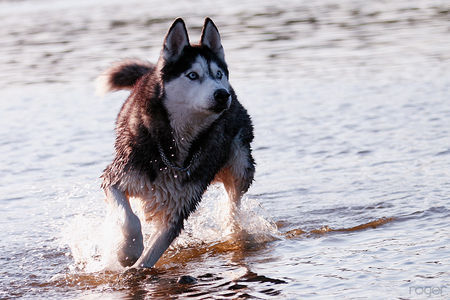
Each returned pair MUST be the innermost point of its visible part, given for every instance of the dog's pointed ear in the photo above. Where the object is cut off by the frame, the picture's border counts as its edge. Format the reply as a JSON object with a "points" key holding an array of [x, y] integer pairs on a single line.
{"points": [[211, 38], [175, 40]]}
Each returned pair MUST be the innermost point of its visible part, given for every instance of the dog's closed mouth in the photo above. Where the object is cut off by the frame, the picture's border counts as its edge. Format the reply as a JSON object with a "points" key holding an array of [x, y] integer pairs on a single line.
{"points": [[220, 107]]}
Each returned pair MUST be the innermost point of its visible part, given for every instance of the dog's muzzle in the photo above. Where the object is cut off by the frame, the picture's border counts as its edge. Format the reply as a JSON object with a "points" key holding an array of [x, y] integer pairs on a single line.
{"points": [[221, 100]]}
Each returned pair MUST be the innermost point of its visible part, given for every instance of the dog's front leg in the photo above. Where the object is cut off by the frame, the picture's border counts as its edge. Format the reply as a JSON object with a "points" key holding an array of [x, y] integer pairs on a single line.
{"points": [[159, 243], [131, 246]]}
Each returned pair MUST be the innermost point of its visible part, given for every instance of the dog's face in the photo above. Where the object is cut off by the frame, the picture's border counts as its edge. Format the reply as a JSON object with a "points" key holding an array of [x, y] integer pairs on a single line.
{"points": [[195, 77]]}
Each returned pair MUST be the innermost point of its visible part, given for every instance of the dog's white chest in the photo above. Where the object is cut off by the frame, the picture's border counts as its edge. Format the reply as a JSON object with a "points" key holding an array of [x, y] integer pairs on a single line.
{"points": [[165, 199]]}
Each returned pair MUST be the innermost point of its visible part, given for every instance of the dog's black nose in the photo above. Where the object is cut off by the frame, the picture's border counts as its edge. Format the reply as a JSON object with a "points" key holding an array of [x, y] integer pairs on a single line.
{"points": [[221, 96]]}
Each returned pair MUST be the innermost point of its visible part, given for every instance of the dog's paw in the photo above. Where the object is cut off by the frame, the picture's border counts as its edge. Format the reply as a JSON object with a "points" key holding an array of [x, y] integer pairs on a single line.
{"points": [[132, 245], [129, 252]]}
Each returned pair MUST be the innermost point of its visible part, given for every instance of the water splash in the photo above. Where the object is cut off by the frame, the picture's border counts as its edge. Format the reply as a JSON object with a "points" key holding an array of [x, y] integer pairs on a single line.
{"points": [[93, 240], [212, 222]]}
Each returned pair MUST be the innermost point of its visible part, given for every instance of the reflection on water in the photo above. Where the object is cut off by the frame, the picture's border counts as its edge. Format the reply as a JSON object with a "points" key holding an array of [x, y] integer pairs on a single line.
{"points": [[350, 105], [325, 229]]}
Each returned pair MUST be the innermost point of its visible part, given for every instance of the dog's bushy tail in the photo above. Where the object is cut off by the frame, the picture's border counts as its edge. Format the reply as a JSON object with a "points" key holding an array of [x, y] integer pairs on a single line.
{"points": [[122, 75]]}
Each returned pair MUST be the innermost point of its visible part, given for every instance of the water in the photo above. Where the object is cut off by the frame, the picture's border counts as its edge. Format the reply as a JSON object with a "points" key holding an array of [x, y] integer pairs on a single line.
{"points": [[350, 101]]}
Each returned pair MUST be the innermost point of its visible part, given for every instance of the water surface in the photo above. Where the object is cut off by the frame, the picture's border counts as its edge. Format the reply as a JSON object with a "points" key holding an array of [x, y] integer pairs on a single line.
{"points": [[350, 102]]}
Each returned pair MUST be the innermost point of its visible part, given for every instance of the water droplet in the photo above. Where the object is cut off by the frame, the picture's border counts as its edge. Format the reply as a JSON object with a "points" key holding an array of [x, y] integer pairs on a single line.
{"points": [[175, 176], [134, 240]]}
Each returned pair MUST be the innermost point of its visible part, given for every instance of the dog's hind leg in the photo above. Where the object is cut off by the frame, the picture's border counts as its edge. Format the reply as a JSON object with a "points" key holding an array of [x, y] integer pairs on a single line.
{"points": [[131, 246], [235, 186], [238, 173]]}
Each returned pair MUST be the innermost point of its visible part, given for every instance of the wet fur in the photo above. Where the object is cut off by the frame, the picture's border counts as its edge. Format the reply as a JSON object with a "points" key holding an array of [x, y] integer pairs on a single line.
{"points": [[217, 146]]}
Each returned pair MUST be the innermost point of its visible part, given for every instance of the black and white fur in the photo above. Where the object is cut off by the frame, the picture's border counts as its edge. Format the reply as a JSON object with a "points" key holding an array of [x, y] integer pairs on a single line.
{"points": [[181, 129]]}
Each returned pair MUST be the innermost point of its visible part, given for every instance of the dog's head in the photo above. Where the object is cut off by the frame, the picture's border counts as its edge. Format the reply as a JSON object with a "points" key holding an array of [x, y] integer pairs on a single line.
{"points": [[195, 77]]}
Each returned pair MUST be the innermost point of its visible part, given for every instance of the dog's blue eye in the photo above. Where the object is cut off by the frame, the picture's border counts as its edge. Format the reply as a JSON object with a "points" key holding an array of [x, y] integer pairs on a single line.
{"points": [[219, 75], [192, 76]]}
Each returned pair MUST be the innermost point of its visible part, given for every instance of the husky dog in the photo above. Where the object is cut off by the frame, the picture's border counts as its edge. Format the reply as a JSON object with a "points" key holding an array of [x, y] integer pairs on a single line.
{"points": [[181, 129]]}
